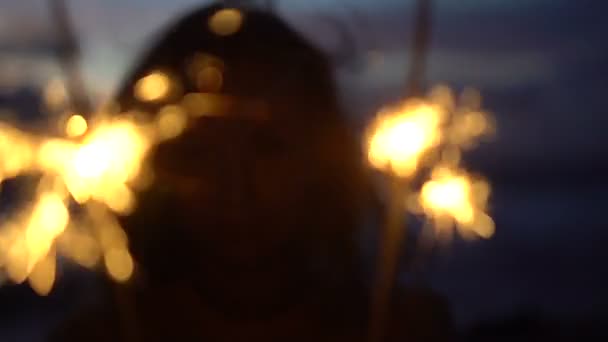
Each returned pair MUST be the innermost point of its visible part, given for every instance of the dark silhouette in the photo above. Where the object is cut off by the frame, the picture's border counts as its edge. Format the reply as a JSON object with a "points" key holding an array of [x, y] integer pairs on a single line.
{"points": [[248, 233]]}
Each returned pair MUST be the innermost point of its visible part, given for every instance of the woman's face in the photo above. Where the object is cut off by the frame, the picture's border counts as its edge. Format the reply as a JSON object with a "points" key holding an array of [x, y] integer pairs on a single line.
{"points": [[244, 189]]}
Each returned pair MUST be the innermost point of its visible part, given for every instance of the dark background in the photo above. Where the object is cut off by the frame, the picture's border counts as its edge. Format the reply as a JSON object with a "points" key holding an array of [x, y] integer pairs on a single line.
{"points": [[541, 67]]}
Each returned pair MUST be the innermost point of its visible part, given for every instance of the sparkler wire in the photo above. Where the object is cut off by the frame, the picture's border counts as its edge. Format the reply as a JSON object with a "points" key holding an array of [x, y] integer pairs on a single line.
{"points": [[392, 239], [395, 233]]}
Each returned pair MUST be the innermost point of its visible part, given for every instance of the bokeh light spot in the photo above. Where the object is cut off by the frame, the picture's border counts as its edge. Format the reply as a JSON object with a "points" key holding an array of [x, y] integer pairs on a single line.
{"points": [[76, 126], [119, 264], [226, 21], [153, 87], [172, 121]]}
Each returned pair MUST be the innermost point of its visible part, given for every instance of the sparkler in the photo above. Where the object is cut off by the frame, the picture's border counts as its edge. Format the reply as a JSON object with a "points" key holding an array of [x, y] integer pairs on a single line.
{"points": [[419, 134], [98, 166], [413, 136]]}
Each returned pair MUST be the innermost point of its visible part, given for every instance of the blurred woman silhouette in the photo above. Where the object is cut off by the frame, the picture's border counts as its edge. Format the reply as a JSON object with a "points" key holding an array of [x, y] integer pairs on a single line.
{"points": [[248, 232]]}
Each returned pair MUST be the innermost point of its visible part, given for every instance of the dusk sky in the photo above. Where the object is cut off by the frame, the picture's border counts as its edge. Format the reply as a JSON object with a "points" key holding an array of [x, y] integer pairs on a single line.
{"points": [[539, 49], [114, 32], [541, 66]]}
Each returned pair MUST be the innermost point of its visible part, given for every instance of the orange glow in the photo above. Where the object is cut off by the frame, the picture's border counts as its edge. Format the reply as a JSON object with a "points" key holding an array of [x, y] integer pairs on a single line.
{"points": [[75, 126], [400, 136], [98, 172], [226, 22], [209, 79], [153, 87], [101, 171], [433, 133], [197, 104], [119, 264], [43, 276], [452, 196], [172, 121], [27, 242]]}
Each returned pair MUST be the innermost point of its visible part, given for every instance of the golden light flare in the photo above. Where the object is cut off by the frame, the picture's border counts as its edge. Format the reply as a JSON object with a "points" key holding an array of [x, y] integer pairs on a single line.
{"points": [[48, 220], [42, 276], [403, 142], [432, 133], [400, 136], [226, 22], [453, 198], [99, 166], [154, 87], [100, 162], [100, 170], [16, 151], [119, 264], [26, 244], [97, 169], [76, 126]]}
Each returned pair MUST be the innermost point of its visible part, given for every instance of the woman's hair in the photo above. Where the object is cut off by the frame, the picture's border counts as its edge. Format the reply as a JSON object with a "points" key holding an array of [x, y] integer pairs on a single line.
{"points": [[268, 61]]}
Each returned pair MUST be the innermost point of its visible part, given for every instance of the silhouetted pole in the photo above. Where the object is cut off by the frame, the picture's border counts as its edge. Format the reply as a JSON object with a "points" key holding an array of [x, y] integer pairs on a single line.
{"points": [[420, 47], [394, 235], [68, 54], [392, 238]]}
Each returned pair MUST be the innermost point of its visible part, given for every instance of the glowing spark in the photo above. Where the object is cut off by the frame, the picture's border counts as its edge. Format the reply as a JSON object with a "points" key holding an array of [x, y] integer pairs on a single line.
{"points": [[153, 87], [226, 22], [26, 245], [75, 126], [98, 172], [119, 264], [16, 151], [101, 170], [42, 276], [452, 197], [49, 218], [401, 136], [434, 130]]}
